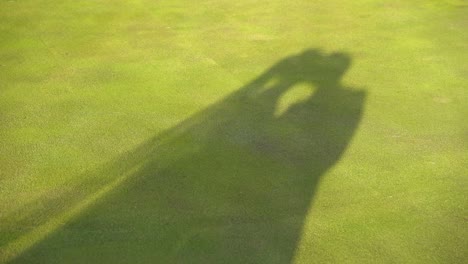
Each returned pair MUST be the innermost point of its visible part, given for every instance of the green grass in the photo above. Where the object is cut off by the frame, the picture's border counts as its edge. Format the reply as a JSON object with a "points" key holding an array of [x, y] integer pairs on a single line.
{"points": [[241, 131]]}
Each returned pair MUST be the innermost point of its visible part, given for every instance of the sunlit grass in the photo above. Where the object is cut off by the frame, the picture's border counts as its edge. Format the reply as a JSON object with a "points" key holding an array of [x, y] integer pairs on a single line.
{"points": [[84, 83]]}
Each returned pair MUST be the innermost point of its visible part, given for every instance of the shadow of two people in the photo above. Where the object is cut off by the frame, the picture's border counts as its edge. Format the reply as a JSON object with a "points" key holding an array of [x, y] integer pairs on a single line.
{"points": [[232, 184]]}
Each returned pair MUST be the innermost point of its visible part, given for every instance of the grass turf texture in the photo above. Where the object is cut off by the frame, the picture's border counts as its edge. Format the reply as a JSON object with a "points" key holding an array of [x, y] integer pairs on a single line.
{"points": [[233, 131]]}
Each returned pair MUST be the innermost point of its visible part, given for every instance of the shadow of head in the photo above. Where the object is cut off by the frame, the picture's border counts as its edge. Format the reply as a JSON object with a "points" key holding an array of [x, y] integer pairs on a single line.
{"points": [[311, 74], [314, 67]]}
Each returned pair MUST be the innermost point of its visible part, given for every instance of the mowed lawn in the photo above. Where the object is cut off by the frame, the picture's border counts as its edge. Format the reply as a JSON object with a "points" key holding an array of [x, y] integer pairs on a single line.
{"points": [[220, 131]]}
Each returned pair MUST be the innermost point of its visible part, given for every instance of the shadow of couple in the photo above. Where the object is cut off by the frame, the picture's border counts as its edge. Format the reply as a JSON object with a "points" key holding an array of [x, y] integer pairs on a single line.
{"points": [[232, 184]]}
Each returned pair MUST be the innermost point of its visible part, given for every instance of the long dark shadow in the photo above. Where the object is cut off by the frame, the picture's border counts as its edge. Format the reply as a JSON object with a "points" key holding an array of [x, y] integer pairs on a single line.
{"points": [[232, 184]]}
